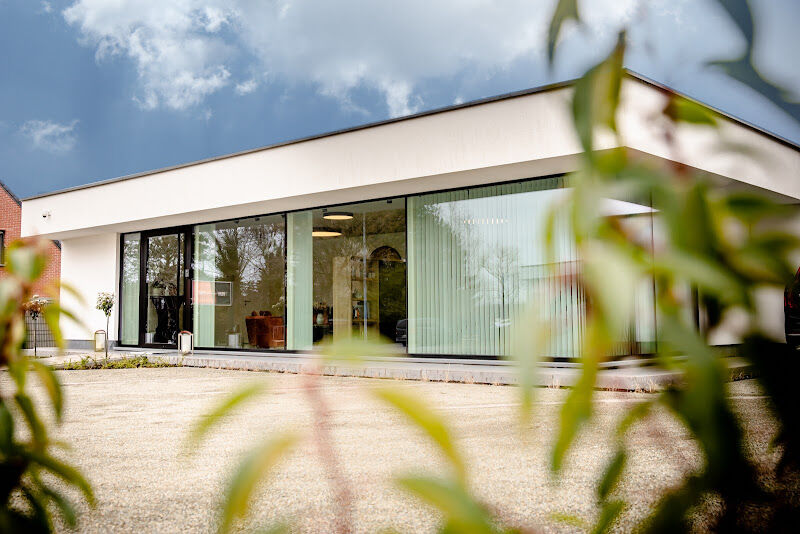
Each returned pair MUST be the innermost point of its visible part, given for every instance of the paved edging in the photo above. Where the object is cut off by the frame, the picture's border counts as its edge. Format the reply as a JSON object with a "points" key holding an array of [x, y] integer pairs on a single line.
{"points": [[638, 379], [623, 378]]}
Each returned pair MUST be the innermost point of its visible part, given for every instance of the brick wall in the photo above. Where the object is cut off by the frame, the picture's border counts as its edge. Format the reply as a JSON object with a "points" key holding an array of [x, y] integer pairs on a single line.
{"points": [[10, 221]]}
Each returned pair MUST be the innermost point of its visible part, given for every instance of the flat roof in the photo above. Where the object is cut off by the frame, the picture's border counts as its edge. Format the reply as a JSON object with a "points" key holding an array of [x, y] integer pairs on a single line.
{"points": [[506, 96]]}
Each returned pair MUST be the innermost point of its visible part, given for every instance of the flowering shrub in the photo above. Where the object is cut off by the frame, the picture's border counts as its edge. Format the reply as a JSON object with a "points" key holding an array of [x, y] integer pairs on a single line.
{"points": [[105, 303], [35, 306]]}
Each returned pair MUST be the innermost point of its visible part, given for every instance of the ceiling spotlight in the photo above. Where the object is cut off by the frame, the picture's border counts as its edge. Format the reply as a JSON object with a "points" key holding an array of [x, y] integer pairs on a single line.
{"points": [[321, 231], [337, 215]]}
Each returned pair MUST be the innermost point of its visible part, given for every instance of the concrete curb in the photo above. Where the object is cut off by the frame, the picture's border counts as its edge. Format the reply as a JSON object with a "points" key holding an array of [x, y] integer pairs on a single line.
{"points": [[644, 378], [647, 379]]}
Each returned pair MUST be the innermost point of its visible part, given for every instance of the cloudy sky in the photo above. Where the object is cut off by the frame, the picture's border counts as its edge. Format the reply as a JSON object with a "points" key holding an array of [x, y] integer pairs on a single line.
{"points": [[93, 89]]}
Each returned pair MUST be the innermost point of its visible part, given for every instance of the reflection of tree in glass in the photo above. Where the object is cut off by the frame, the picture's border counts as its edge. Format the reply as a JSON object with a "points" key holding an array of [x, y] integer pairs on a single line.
{"points": [[268, 245], [162, 263], [233, 256], [130, 261]]}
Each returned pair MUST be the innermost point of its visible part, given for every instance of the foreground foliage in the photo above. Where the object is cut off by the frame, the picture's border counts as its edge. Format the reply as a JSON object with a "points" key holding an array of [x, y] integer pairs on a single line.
{"points": [[722, 250], [28, 466]]}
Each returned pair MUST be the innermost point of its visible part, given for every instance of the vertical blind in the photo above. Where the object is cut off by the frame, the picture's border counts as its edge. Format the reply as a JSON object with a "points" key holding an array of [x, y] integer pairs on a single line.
{"points": [[205, 274], [131, 268], [299, 281], [477, 262]]}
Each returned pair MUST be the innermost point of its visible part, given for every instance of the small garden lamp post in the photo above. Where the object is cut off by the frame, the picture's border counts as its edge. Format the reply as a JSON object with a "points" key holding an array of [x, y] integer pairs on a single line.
{"points": [[105, 303], [35, 307]]}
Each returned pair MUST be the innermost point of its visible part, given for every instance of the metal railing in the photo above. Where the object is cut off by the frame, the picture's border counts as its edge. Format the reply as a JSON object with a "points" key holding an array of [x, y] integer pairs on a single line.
{"points": [[39, 328]]}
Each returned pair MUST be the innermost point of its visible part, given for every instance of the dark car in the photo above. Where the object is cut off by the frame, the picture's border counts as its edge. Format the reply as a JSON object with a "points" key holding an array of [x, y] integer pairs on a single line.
{"points": [[401, 332], [791, 311]]}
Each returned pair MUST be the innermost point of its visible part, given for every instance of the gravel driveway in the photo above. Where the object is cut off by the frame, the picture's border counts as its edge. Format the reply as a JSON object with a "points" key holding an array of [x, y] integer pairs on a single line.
{"points": [[127, 429]]}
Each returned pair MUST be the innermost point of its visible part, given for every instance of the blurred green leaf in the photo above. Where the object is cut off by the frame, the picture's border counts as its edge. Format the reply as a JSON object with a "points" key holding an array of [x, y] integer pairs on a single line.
{"points": [[778, 367], [462, 513], [38, 430], [64, 471], [24, 261], [596, 96], [680, 109], [698, 230], [760, 260], [611, 475], [354, 350], [701, 271], [565, 10], [702, 404], [611, 277], [571, 520], [50, 382], [62, 504], [531, 335], [37, 511], [577, 408], [752, 207], [672, 510], [433, 425], [6, 428], [52, 315], [280, 528], [254, 469], [611, 161], [608, 515], [637, 412], [221, 410], [65, 287]]}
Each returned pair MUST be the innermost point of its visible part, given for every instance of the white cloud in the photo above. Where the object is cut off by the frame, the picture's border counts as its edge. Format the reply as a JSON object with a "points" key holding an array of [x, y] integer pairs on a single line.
{"points": [[247, 87], [182, 55], [50, 136], [47, 7], [179, 56]]}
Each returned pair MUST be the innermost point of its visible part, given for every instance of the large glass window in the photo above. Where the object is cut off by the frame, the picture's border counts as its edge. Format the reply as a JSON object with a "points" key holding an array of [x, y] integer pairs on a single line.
{"points": [[449, 273], [477, 261], [238, 283], [129, 298], [357, 259], [478, 264]]}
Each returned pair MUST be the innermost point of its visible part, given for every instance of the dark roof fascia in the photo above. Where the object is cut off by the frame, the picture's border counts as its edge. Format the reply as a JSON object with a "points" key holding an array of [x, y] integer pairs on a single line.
{"points": [[464, 105], [10, 193]]}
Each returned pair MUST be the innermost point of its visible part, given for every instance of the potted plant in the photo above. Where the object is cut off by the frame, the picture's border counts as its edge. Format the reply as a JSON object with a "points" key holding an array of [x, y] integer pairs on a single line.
{"points": [[105, 303]]}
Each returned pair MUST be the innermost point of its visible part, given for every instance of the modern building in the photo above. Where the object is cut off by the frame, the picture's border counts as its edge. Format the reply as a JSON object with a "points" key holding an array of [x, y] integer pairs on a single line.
{"points": [[10, 223], [426, 230]]}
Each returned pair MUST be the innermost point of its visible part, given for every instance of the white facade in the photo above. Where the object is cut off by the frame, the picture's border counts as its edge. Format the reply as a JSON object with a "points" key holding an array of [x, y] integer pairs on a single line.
{"points": [[524, 136]]}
